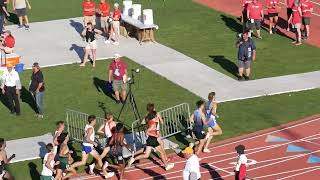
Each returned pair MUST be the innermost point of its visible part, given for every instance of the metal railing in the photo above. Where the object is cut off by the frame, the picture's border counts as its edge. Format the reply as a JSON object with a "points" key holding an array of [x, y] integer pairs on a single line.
{"points": [[176, 120]]}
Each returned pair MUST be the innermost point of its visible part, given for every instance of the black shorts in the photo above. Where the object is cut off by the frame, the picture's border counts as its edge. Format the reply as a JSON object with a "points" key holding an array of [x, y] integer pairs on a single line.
{"points": [[289, 12], [244, 16], [273, 15], [306, 20], [199, 134], [152, 142]]}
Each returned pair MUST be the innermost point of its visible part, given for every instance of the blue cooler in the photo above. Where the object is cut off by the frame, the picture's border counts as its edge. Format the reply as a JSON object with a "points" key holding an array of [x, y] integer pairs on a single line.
{"points": [[19, 68]]}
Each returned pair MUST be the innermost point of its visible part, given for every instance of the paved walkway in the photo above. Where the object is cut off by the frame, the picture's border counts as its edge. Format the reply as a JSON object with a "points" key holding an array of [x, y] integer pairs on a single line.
{"points": [[58, 42]]}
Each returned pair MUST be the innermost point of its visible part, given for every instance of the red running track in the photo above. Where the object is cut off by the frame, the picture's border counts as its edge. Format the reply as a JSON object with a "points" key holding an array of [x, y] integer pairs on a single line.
{"points": [[269, 160], [234, 7]]}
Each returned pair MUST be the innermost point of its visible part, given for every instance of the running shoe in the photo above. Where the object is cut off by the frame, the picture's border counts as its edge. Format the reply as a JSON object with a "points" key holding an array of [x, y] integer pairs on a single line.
{"points": [[105, 165], [115, 43], [91, 168], [298, 43], [109, 175], [27, 27], [270, 32], [20, 26], [107, 42], [206, 150], [131, 161], [169, 166]]}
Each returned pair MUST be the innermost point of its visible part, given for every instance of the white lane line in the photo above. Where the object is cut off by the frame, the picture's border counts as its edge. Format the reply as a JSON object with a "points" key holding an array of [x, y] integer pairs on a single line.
{"points": [[311, 142], [298, 174], [316, 3], [286, 172]]}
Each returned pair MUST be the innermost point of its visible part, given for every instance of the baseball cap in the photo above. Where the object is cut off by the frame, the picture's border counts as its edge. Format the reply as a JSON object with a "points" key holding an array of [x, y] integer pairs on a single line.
{"points": [[35, 64], [116, 56], [187, 150], [9, 65], [116, 5]]}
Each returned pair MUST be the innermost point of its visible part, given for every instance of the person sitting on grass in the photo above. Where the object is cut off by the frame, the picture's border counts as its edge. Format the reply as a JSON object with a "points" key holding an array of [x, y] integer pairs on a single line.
{"points": [[88, 149], [241, 164], [48, 164], [295, 19], [211, 115], [117, 143], [152, 142], [8, 42], [198, 119], [89, 33]]}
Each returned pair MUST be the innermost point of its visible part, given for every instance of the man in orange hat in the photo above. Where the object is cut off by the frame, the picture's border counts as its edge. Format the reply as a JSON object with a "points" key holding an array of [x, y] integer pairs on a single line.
{"points": [[11, 87], [192, 168]]}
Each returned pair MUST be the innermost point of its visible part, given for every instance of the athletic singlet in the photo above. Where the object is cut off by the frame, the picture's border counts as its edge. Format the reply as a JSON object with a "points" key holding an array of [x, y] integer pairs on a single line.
{"points": [[90, 35], [45, 170], [153, 127], [55, 147], [209, 110], [108, 130], [85, 143], [1, 167], [198, 124]]}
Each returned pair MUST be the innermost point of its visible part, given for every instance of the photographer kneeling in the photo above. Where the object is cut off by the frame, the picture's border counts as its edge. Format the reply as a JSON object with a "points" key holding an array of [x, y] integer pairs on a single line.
{"points": [[246, 53]]}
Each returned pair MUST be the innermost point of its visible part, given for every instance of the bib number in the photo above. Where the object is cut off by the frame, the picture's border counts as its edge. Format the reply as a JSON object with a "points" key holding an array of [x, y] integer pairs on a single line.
{"points": [[116, 72]]}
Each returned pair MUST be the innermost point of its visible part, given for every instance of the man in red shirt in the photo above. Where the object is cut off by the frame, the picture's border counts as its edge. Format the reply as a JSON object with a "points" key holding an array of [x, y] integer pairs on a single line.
{"points": [[289, 4], [306, 8], [89, 7], [118, 76], [8, 42], [115, 29], [273, 13], [104, 11], [255, 15]]}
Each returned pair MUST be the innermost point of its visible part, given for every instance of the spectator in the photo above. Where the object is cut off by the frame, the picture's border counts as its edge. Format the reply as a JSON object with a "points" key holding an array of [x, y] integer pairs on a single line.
{"points": [[244, 17], [89, 33], [104, 11], [8, 42], [306, 8], [295, 19], [255, 15], [241, 164], [89, 7], [11, 87], [20, 6], [246, 53], [3, 12], [118, 76], [289, 4], [192, 168], [48, 164], [4, 160], [273, 13], [37, 88], [60, 128], [116, 17]]}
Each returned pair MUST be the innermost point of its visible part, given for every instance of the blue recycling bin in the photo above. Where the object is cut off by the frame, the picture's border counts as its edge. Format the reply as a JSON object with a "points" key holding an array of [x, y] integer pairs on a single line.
{"points": [[19, 67]]}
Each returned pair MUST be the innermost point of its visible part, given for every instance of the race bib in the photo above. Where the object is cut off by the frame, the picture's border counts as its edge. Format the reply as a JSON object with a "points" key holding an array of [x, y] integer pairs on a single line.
{"points": [[116, 72], [252, 20]]}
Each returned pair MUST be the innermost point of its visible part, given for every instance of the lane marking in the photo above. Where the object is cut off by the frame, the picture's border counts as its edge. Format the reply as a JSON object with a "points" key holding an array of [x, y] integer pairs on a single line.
{"points": [[298, 174], [286, 172]]}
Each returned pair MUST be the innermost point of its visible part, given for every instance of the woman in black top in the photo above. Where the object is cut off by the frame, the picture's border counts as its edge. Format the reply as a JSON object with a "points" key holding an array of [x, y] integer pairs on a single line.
{"points": [[89, 33]]}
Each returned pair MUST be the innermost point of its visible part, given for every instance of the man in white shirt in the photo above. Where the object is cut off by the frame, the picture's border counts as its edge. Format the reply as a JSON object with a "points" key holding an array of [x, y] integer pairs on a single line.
{"points": [[11, 86], [192, 168]]}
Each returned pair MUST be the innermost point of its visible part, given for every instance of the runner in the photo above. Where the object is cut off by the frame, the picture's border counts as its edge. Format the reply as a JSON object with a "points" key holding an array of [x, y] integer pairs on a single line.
{"points": [[212, 125], [199, 120], [64, 158], [152, 142], [255, 15], [295, 19], [4, 161], [244, 17], [89, 7], [60, 128], [306, 8], [107, 130], [273, 13], [241, 165], [88, 148], [150, 109], [117, 143], [89, 33], [104, 11], [116, 17], [48, 164], [289, 4]]}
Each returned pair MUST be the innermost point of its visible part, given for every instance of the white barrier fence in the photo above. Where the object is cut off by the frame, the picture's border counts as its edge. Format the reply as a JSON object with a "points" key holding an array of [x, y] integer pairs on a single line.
{"points": [[176, 120]]}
